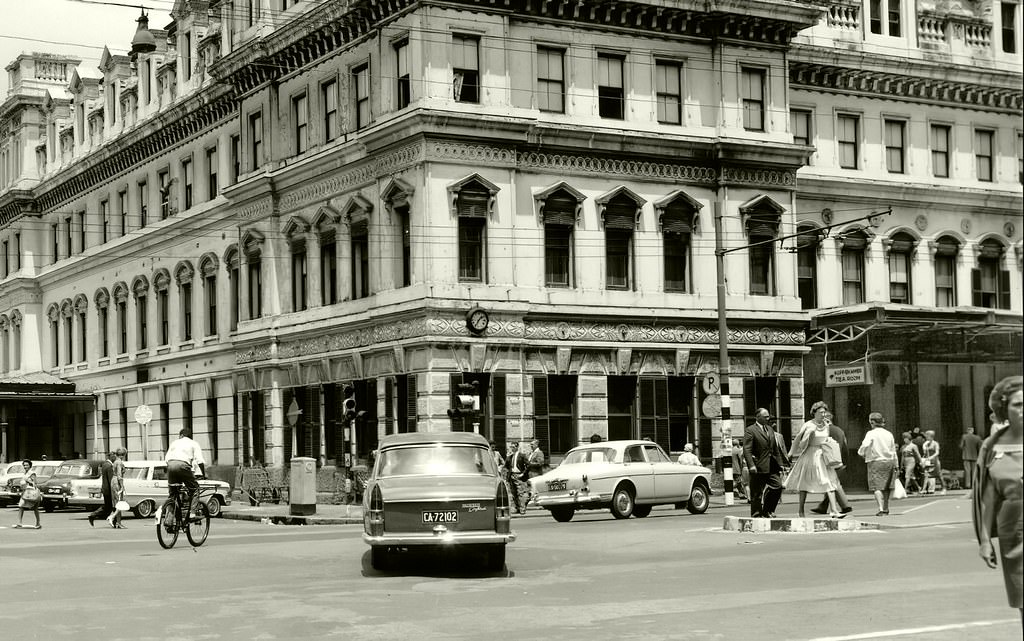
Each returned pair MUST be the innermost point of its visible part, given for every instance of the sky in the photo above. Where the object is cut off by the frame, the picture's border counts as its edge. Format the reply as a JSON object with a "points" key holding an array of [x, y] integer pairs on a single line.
{"points": [[80, 28]]}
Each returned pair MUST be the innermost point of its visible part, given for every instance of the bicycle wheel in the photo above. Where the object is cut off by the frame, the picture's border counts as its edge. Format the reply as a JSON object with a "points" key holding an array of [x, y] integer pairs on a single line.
{"points": [[167, 526], [196, 528]]}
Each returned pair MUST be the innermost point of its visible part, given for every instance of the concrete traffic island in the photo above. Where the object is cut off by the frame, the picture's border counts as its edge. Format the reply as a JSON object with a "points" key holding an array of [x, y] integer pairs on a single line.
{"points": [[799, 525]]}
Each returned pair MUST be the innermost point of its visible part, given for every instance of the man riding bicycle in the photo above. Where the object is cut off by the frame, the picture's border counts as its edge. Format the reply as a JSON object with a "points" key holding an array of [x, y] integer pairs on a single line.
{"points": [[185, 458]]}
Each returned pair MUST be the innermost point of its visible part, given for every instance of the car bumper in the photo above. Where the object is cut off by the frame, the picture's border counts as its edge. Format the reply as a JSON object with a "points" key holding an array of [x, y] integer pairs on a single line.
{"points": [[572, 498], [431, 539]]}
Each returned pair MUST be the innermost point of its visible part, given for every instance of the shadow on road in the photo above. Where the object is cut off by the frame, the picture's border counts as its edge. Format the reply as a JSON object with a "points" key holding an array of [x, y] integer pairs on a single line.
{"points": [[456, 564]]}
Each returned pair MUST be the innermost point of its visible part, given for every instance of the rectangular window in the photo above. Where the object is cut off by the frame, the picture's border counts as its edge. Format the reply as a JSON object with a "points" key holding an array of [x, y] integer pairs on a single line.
{"points": [[618, 257], [210, 291], [122, 327], [557, 255], [800, 123], [5, 267], [806, 275], [361, 95], [236, 158], [406, 222], [165, 194], [1008, 13], [752, 98], [1020, 158], [186, 55], [675, 248], [69, 236], [235, 291], [142, 313], [762, 275], [329, 106], [853, 276], [329, 267], [550, 80], [668, 88], [122, 203], [211, 426], [886, 17], [17, 251], [55, 241], [983, 154], [68, 341], [847, 138], [104, 329], [945, 281], [894, 130], [104, 222], [80, 223], [403, 86], [899, 277], [55, 343], [940, 151], [185, 293], [360, 261], [163, 314], [186, 182], [299, 277], [212, 188], [256, 140], [143, 191], [471, 248], [82, 337], [466, 68], [611, 95], [300, 121]]}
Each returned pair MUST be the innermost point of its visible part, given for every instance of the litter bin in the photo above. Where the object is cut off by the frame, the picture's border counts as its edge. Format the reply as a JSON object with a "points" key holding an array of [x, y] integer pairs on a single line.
{"points": [[302, 490]]}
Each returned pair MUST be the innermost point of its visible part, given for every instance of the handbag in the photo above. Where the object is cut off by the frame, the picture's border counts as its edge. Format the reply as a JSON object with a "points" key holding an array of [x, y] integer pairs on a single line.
{"points": [[830, 452], [898, 491], [122, 505], [32, 494]]}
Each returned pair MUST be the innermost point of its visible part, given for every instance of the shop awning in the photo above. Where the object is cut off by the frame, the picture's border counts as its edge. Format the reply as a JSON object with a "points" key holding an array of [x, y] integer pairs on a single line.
{"points": [[39, 386]]}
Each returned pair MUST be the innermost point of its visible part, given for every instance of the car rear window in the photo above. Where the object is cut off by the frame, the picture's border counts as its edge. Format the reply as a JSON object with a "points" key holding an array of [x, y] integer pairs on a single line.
{"points": [[13, 468], [431, 460], [74, 469], [43, 470], [135, 473], [590, 455]]}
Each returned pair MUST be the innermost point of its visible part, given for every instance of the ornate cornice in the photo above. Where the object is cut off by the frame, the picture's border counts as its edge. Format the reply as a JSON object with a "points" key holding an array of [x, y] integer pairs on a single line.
{"points": [[894, 86]]}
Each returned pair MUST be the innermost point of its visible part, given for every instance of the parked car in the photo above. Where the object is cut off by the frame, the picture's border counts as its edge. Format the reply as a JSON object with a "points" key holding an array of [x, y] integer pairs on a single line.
{"points": [[12, 473], [627, 477], [58, 491], [436, 491], [145, 487]]}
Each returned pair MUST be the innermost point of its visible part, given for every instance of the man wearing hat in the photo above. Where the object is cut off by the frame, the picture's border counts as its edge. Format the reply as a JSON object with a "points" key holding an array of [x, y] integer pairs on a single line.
{"points": [[688, 457]]}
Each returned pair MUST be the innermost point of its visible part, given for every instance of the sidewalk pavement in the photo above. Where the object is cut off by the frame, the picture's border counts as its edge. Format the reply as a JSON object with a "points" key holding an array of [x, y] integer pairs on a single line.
{"points": [[913, 512]]}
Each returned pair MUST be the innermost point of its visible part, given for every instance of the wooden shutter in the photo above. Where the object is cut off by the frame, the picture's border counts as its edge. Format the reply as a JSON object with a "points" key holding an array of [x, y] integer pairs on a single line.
{"points": [[311, 422], [541, 424], [977, 296], [785, 424], [370, 436], [389, 410], [654, 410], [951, 425], [560, 209], [473, 200], [1004, 289], [410, 400], [620, 215], [749, 403], [287, 397], [498, 402]]}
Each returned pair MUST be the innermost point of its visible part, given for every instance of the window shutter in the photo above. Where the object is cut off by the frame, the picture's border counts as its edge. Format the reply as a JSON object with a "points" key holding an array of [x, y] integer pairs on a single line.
{"points": [[287, 400], [498, 402], [785, 409], [661, 413], [473, 201], [676, 224], [977, 298], [560, 209], [410, 401], [619, 215], [389, 411], [541, 425], [1004, 289], [369, 401], [749, 399], [648, 422], [311, 422]]}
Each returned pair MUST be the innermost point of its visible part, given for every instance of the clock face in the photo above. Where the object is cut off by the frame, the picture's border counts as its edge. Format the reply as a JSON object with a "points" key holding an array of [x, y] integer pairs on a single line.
{"points": [[477, 320]]}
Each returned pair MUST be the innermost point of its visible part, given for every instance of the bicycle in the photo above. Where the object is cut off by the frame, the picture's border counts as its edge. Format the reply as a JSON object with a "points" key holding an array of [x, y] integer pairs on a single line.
{"points": [[170, 521]]}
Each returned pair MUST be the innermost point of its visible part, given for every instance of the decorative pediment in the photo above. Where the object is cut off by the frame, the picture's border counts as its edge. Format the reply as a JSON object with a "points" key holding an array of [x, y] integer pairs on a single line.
{"points": [[619, 208], [66, 308], [231, 257], [102, 297], [184, 272], [678, 213], [16, 318], [4, 323], [252, 241], [558, 203], [397, 193], [161, 279], [53, 312], [81, 304], [208, 264], [761, 215], [295, 225], [356, 209], [120, 292], [140, 286], [325, 218], [474, 195]]}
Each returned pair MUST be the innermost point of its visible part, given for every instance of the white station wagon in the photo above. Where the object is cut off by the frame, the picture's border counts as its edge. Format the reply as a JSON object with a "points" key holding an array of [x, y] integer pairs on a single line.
{"points": [[627, 477], [145, 487]]}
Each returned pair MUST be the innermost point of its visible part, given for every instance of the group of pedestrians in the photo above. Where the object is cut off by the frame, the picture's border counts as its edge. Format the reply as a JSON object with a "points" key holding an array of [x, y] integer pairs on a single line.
{"points": [[518, 467]]}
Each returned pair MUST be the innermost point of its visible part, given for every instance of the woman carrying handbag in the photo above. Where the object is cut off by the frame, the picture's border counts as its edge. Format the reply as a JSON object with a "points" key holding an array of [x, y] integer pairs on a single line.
{"points": [[31, 497]]}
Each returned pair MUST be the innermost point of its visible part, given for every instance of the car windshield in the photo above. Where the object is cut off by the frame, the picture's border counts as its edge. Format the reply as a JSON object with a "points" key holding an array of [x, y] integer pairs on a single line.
{"points": [[435, 459], [74, 469], [590, 455]]}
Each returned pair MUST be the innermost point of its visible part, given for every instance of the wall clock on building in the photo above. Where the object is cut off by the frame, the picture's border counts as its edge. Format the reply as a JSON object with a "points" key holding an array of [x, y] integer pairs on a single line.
{"points": [[477, 320]]}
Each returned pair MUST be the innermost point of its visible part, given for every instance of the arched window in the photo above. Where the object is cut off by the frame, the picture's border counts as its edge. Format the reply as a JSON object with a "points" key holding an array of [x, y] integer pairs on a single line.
{"points": [[184, 274], [67, 314], [102, 299], [232, 264], [161, 285], [16, 340], [854, 245], [120, 294], [946, 249], [990, 283], [53, 316], [208, 271], [807, 244], [81, 308], [901, 247], [5, 337], [252, 245], [140, 290]]}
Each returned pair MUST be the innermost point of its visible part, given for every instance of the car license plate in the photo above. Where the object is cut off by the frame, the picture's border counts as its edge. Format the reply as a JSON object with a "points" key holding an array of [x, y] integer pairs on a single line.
{"points": [[554, 486], [53, 491], [450, 516], [95, 495]]}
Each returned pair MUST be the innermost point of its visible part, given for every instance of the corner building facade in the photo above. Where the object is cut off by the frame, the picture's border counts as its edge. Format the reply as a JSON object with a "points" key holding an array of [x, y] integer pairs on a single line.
{"points": [[276, 204]]}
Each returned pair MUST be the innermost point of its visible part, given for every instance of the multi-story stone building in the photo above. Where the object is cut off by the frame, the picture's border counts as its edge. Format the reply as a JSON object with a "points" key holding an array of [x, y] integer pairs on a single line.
{"points": [[283, 199]]}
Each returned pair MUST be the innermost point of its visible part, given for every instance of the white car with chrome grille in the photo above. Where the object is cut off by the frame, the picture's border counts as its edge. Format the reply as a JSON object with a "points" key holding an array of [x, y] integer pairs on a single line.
{"points": [[627, 477], [438, 491]]}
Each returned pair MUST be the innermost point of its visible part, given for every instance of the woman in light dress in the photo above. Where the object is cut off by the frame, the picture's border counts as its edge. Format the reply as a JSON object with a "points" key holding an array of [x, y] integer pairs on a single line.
{"points": [[810, 473]]}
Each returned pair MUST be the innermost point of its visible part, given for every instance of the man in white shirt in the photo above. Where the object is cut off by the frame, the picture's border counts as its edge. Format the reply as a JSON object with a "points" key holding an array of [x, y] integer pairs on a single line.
{"points": [[185, 458], [879, 452]]}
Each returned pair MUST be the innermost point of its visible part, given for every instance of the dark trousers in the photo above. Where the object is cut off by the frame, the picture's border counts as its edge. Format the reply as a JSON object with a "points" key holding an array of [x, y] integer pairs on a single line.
{"points": [[840, 499], [104, 510], [765, 493]]}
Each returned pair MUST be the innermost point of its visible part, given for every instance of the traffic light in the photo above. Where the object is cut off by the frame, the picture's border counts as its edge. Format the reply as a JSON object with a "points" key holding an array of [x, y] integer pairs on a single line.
{"points": [[467, 400], [349, 404]]}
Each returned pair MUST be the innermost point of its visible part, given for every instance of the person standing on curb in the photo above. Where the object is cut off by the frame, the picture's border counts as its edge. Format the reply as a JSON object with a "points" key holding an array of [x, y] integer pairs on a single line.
{"points": [[970, 443], [879, 452], [999, 493], [764, 463], [840, 437], [106, 474]]}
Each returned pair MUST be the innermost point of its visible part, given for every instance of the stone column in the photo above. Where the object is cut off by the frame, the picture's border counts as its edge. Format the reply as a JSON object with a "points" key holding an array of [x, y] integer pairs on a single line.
{"points": [[274, 429], [314, 293]]}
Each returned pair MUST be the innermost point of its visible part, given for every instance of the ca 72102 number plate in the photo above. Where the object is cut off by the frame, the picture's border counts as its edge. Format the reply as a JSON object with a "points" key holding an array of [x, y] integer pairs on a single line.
{"points": [[448, 516]]}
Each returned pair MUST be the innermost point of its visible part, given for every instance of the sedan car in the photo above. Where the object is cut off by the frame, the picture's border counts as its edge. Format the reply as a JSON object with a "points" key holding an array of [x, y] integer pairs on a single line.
{"points": [[12, 473], [436, 491], [57, 490], [145, 487], [627, 477]]}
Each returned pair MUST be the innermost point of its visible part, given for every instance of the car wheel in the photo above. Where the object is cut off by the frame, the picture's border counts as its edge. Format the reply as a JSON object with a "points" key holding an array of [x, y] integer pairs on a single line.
{"points": [[214, 506], [641, 511], [144, 510], [379, 557], [698, 503], [622, 503], [495, 558], [562, 514]]}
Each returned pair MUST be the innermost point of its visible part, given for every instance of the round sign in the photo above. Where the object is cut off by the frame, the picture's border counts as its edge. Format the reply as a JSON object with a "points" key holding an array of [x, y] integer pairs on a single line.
{"points": [[143, 414], [710, 383], [712, 406]]}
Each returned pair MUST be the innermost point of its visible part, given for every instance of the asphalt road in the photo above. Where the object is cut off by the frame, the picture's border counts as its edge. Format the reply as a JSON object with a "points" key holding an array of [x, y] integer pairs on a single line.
{"points": [[669, 576]]}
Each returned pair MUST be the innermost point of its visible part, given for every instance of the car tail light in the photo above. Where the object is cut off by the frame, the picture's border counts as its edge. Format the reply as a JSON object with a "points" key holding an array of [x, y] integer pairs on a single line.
{"points": [[502, 510], [375, 515]]}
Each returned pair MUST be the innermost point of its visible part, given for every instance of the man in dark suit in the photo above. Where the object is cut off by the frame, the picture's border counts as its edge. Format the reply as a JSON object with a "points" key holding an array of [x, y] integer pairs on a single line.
{"points": [[844, 505], [764, 460], [515, 463], [106, 475]]}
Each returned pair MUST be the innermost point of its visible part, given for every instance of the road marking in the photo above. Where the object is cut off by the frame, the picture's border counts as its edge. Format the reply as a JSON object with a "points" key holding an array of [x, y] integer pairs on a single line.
{"points": [[918, 507], [881, 634]]}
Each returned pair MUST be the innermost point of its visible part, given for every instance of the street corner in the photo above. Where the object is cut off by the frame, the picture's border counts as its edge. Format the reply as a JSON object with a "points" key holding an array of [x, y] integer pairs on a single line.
{"points": [[793, 525]]}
